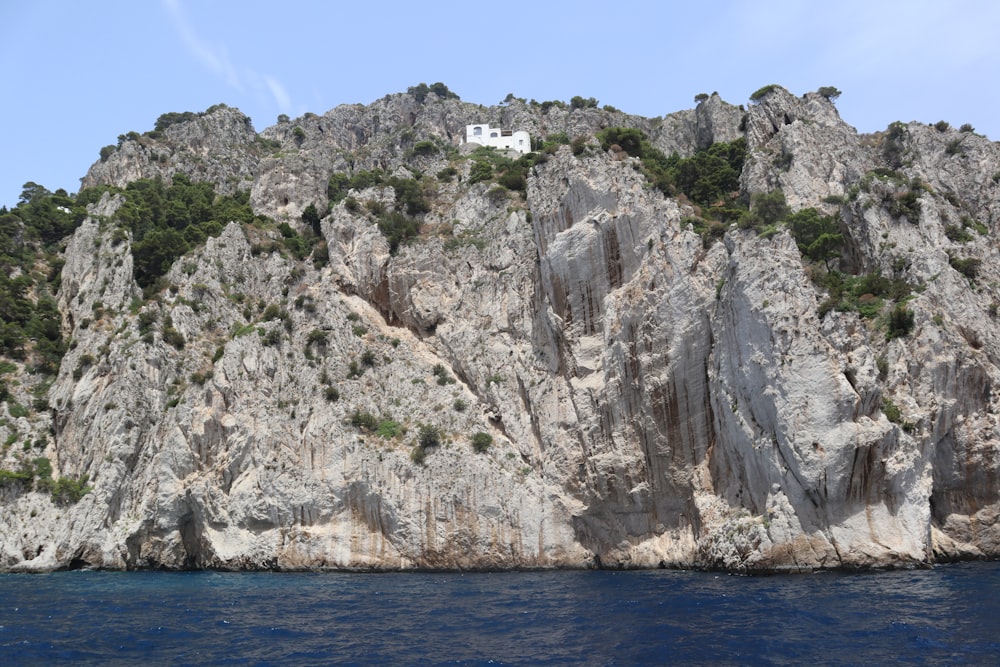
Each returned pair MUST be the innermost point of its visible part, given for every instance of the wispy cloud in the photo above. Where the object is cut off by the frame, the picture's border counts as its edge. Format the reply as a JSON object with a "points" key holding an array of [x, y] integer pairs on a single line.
{"points": [[215, 58], [279, 93]]}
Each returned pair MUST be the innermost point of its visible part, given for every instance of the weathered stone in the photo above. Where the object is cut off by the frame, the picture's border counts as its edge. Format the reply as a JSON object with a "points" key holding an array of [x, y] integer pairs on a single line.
{"points": [[651, 401]]}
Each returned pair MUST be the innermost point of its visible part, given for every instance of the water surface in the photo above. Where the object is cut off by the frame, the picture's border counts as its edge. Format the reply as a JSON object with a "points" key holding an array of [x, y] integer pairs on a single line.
{"points": [[947, 615]]}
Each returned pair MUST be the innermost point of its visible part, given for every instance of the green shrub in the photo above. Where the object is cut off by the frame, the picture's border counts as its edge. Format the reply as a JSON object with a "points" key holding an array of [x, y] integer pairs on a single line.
{"points": [[893, 144], [172, 336], [817, 236], [311, 217], [389, 429], [968, 267], [16, 479], [762, 92], [957, 234], [710, 177], [200, 377], [481, 441], [863, 294], [317, 338], [331, 394], [69, 490], [424, 148], [900, 322], [629, 139], [418, 455], [578, 102], [514, 181], [459, 405], [364, 420], [442, 375], [422, 90], [271, 337], [397, 229], [829, 92], [891, 411], [481, 171], [942, 126], [321, 255], [340, 183], [428, 436], [766, 210], [904, 205]]}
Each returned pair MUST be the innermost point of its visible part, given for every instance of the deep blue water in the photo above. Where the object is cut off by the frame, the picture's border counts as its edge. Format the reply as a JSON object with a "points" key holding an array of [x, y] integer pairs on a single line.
{"points": [[948, 615]]}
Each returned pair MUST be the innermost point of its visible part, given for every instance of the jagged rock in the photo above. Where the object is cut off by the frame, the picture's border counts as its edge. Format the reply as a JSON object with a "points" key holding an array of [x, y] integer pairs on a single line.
{"points": [[652, 399], [219, 146]]}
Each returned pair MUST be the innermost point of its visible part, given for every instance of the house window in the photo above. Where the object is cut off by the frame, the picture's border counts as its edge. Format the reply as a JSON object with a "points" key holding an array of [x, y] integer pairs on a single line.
{"points": [[477, 132], [493, 135]]}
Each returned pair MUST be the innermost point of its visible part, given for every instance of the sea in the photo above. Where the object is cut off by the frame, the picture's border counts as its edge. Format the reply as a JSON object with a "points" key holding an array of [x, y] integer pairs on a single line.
{"points": [[947, 615]]}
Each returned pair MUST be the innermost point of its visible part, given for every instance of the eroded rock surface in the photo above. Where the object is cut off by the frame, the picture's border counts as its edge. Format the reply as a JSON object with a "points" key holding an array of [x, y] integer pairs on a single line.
{"points": [[652, 398]]}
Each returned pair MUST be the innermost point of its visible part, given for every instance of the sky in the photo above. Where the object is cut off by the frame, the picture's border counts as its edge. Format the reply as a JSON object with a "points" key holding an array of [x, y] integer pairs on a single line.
{"points": [[75, 75]]}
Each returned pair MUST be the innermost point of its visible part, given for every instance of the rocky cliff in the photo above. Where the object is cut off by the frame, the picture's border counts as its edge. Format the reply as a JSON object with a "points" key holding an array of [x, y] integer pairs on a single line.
{"points": [[642, 393]]}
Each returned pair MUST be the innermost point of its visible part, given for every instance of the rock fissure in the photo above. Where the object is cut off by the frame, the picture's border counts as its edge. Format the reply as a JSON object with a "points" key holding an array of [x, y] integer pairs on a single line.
{"points": [[638, 383]]}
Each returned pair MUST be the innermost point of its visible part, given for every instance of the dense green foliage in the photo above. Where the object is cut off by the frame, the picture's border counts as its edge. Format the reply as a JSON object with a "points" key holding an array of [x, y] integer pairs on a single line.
{"points": [[578, 102], [37, 474], [312, 217], [398, 226], [512, 173], [429, 436], [167, 221], [422, 90], [481, 441], [968, 266], [766, 210], [829, 92], [762, 92], [864, 294], [709, 178], [174, 118], [425, 148], [409, 191], [900, 322], [397, 229], [893, 145], [818, 236], [30, 323]]}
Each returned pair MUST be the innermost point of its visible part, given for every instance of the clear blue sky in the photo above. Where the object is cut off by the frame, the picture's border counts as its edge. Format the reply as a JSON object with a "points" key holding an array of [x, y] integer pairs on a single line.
{"points": [[75, 75]]}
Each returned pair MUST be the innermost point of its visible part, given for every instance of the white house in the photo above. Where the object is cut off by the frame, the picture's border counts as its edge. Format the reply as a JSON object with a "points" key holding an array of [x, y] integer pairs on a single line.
{"points": [[485, 135]]}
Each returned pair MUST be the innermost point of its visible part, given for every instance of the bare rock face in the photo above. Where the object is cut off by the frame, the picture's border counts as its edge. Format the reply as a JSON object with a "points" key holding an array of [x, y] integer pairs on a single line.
{"points": [[651, 398], [713, 120], [219, 146]]}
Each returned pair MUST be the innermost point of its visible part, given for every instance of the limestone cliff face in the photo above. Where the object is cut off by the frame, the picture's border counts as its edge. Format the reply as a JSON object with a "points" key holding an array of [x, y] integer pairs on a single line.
{"points": [[652, 398]]}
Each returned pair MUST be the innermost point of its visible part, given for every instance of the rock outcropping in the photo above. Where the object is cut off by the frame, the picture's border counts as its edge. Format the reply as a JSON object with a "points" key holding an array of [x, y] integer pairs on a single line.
{"points": [[653, 398]]}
